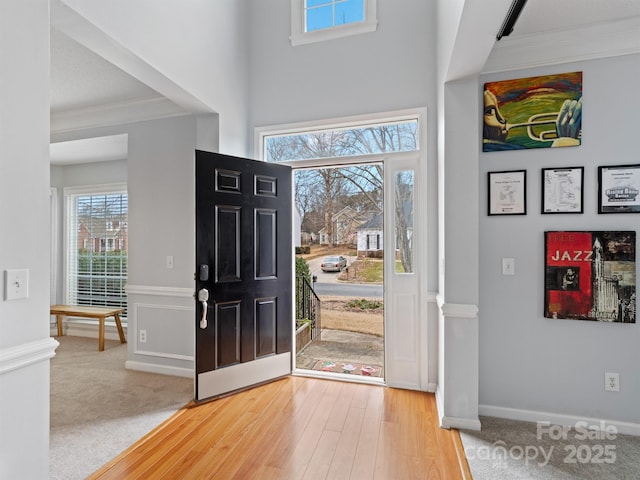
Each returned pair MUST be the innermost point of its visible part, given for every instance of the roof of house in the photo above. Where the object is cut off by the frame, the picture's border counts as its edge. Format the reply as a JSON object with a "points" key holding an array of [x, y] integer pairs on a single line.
{"points": [[375, 223]]}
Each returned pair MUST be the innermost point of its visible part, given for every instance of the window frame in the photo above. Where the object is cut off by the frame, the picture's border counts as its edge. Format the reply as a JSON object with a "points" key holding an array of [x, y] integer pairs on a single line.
{"points": [[299, 35], [68, 192], [408, 115]]}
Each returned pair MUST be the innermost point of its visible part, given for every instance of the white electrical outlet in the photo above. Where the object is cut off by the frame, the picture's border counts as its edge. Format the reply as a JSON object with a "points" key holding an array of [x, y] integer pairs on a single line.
{"points": [[143, 336], [611, 382]]}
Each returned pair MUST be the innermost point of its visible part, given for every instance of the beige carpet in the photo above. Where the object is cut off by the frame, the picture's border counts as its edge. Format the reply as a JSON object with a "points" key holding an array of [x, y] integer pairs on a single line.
{"points": [[98, 408]]}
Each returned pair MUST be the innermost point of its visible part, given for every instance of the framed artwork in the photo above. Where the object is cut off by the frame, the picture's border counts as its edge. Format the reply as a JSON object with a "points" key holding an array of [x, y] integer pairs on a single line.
{"points": [[590, 275], [534, 112], [507, 193], [562, 190], [618, 189]]}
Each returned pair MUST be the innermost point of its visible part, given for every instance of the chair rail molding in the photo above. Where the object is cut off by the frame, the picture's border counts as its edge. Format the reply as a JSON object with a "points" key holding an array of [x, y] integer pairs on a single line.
{"points": [[160, 291], [20, 356]]}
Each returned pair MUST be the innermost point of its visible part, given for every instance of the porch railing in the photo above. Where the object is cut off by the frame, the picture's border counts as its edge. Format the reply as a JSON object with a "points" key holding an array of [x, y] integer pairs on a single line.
{"points": [[308, 306]]}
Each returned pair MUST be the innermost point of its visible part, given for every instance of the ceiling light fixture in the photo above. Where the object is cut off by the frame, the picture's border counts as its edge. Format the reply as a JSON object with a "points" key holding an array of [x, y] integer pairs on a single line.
{"points": [[511, 18]]}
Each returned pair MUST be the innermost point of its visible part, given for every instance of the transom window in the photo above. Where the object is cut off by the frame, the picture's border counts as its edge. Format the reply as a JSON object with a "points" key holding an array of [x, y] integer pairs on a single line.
{"points": [[342, 141], [319, 20]]}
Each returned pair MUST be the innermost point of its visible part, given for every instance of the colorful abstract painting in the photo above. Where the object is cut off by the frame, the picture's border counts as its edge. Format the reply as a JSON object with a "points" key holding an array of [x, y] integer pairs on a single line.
{"points": [[591, 276], [534, 112]]}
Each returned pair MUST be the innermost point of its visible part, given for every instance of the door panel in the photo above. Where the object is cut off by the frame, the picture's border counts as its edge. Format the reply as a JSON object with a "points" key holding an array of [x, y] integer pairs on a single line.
{"points": [[243, 237]]}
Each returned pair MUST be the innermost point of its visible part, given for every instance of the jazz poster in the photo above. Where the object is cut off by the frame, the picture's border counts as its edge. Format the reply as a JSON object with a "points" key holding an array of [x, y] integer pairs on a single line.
{"points": [[590, 275], [533, 112]]}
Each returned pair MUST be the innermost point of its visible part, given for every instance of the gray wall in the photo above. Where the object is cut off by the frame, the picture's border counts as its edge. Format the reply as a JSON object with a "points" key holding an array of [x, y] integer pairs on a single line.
{"points": [[25, 346], [528, 362]]}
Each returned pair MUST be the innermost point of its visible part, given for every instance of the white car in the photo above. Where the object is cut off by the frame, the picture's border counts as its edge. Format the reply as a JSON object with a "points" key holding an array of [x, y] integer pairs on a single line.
{"points": [[333, 263]]}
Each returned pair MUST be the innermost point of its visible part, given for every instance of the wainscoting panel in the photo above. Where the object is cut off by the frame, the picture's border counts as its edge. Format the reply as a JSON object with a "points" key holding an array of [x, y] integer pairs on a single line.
{"points": [[168, 331], [161, 329]]}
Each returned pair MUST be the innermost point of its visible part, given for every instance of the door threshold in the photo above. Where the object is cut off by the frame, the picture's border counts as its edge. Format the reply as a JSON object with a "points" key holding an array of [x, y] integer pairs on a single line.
{"points": [[343, 377]]}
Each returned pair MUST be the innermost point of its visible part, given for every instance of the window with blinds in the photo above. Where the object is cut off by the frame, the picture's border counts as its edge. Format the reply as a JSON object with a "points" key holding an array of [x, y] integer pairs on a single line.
{"points": [[97, 244]]}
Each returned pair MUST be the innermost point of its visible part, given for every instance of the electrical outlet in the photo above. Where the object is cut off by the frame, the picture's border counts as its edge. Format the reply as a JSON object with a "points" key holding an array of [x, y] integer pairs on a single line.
{"points": [[143, 336], [611, 382]]}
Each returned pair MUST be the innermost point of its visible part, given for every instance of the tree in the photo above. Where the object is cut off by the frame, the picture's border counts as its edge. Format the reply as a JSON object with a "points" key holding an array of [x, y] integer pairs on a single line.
{"points": [[360, 185], [404, 218]]}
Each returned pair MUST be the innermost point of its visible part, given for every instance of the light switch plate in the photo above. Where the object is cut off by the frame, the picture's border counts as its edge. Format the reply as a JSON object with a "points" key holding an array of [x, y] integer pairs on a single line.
{"points": [[16, 284], [508, 266]]}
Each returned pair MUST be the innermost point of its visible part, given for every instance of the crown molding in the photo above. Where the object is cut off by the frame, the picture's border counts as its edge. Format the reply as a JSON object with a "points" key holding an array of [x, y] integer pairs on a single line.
{"points": [[115, 114]]}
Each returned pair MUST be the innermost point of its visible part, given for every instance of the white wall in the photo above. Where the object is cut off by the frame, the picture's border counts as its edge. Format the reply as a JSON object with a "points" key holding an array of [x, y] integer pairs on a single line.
{"points": [[25, 346], [389, 69], [528, 362]]}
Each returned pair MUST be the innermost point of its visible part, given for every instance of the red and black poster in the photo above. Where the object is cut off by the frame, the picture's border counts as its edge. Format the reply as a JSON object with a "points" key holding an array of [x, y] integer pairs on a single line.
{"points": [[590, 276]]}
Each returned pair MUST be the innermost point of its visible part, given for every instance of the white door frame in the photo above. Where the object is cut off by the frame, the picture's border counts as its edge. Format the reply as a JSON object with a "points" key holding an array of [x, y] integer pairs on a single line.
{"points": [[405, 295]]}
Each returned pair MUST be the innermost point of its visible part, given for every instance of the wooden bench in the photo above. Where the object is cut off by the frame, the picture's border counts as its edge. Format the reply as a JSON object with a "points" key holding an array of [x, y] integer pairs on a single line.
{"points": [[61, 311]]}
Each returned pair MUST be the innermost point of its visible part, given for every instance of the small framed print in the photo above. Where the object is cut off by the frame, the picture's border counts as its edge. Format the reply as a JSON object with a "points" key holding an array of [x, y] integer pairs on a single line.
{"points": [[619, 189], [562, 190], [507, 193]]}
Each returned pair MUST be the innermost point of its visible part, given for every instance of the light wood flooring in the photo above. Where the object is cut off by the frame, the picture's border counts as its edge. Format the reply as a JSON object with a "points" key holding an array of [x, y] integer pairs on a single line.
{"points": [[299, 428]]}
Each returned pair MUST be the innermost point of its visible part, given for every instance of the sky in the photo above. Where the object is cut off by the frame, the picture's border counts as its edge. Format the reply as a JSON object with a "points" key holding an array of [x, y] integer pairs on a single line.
{"points": [[328, 13]]}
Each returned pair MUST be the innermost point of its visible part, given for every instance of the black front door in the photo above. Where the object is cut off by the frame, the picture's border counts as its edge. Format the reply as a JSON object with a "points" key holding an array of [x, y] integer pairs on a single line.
{"points": [[243, 273]]}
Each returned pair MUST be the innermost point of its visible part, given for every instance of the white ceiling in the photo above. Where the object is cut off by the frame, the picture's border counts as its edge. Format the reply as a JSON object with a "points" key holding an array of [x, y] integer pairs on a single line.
{"points": [[82, 81]]}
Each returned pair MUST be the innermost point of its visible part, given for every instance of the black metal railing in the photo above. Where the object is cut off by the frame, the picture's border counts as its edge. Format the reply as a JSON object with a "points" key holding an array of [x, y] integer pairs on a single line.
{"points": [[308, 306]]}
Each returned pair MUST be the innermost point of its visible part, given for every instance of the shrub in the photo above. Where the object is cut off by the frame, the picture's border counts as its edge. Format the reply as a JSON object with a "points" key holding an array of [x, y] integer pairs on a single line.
{"points": [[302, 268], [364, 304]]}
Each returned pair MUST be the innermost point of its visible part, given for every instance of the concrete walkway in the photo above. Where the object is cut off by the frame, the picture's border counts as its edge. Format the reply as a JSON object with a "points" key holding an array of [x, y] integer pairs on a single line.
{"points": [[342, 346]]}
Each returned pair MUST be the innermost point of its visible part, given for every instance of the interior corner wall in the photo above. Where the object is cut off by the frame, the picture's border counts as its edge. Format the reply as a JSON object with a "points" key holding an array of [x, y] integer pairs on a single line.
{"points": [[531, 366], [25, 346]]}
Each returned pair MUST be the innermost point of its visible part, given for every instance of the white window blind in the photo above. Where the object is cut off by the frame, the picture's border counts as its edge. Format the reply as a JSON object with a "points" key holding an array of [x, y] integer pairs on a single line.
{"points": [[96, 245]]}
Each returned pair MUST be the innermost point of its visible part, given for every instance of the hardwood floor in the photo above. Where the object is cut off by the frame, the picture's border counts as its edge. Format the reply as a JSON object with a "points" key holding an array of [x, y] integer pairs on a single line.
{"points": [[299, 428]]}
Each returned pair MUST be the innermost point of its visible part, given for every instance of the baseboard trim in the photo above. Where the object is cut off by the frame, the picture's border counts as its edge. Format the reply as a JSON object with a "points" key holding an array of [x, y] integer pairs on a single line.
{"points": [[161, 369], [20, 356], [625, 428], [454, 422]]}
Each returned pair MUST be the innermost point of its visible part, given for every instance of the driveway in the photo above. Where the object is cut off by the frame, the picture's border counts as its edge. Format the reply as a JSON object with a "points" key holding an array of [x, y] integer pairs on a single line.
{"points": [[328, 277]]}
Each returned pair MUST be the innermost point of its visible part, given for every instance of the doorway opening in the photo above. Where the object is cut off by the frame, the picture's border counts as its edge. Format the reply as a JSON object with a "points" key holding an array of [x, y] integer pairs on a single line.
{"points": [[339, 291], [391, 145]]}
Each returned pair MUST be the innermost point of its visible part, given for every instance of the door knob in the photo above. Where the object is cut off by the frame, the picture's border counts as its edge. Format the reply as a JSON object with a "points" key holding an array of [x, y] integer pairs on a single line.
{"points": [[203, 297]]}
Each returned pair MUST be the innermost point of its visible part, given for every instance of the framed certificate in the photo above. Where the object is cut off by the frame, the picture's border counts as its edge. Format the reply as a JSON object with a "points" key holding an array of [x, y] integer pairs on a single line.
{"points": [[507, 192], [619, 189], [562, 190]]}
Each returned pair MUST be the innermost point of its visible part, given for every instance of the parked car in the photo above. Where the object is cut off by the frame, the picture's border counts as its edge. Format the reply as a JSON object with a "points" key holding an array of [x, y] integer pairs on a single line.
{"points": [[333, 264]]}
